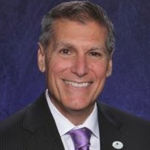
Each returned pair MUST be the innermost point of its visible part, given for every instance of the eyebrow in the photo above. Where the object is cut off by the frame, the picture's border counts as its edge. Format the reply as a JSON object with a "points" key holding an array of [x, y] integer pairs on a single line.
{"points": [[71, 46], [65, 44], [99, 48]]}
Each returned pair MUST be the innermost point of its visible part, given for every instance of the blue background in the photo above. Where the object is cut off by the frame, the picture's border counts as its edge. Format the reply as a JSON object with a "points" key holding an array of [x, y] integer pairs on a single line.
{"points": [[21, 82]]}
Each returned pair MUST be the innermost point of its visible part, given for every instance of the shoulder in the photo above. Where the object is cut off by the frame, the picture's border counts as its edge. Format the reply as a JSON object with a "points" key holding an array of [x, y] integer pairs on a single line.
{"points": [[20, 126], [13, 120], [133, 131], [128, 120], [11, 131], [29, 113]]}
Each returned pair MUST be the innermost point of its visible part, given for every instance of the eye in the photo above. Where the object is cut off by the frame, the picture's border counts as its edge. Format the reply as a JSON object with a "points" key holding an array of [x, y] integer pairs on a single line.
{"points": [[96, 54], [65, 51]]}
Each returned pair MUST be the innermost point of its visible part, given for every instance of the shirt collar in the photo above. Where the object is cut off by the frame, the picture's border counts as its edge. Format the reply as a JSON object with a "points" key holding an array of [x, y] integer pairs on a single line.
{"points": [[64, 125]]}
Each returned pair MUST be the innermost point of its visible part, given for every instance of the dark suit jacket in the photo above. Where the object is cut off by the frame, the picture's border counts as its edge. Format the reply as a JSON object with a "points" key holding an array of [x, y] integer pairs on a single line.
{"points": [[34, 129]]}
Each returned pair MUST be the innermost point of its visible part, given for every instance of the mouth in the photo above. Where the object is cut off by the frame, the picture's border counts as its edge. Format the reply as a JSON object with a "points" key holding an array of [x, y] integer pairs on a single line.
{"points": [[77, 84]]}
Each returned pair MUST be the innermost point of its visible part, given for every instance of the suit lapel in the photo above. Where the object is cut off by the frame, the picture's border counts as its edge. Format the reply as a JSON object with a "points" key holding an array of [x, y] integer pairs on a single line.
{"points": [[110, 128], [40, 128]]}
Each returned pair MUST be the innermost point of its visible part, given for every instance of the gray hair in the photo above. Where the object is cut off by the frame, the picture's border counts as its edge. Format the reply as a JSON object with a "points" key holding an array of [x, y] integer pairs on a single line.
{"points": [[81, 11]]}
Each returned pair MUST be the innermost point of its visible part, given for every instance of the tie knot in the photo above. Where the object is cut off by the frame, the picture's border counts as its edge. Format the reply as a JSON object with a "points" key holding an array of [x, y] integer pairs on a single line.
{"points": [[81, 137]]}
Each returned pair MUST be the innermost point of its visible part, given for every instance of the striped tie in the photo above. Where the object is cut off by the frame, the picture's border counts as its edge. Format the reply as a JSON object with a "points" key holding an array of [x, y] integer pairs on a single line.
{"points": [[81, 138]]}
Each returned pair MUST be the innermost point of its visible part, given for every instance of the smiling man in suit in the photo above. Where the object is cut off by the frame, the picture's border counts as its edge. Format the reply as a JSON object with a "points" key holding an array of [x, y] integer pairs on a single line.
{"points": [[75, 53]]}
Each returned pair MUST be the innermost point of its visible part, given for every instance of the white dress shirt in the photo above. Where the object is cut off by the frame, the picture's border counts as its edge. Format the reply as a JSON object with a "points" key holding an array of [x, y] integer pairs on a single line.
{"points": [[64, 126]]}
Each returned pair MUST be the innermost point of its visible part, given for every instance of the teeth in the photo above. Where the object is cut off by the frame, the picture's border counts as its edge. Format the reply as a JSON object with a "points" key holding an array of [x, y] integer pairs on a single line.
{"points": [[75, 84]]}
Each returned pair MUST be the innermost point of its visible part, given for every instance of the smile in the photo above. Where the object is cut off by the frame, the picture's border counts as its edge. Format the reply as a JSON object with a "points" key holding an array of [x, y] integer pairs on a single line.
{"points": [[76, 84]]}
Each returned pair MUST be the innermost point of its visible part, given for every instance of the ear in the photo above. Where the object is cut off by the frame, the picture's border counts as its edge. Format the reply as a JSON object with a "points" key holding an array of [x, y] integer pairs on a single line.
{"points": [[109, 71], [41, 58]]}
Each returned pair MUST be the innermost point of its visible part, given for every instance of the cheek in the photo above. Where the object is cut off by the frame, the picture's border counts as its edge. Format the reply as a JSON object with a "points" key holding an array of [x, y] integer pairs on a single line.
{"points": [[99, 69], [56, 67], [55, 70]]}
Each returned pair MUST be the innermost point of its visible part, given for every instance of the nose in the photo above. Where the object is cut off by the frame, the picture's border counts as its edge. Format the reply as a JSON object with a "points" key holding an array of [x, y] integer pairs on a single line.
{"points": [[80, 66]]}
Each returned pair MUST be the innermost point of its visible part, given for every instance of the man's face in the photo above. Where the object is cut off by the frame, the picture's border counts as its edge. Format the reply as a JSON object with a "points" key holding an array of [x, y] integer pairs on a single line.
{"points": [[76, 64]]}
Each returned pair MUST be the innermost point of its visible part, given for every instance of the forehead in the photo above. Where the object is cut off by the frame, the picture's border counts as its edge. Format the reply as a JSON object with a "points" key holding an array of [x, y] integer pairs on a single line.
{"points": [[64, 28]]}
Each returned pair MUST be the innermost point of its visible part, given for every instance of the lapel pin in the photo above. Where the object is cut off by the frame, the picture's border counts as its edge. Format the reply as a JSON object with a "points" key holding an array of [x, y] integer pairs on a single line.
{"points": [[117, 145]]}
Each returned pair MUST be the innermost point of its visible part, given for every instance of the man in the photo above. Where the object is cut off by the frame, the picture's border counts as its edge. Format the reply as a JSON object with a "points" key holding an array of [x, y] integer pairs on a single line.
{"points": [[75, 53]]}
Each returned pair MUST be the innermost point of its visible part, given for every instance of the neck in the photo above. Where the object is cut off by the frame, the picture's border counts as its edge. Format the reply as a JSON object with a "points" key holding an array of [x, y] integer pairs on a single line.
{"points": [[75, 116], [78, 117]]}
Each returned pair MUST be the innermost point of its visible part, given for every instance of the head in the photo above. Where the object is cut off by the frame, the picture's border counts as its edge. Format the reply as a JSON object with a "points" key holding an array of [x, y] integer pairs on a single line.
{"points": [[80, 11], [75, 52]]}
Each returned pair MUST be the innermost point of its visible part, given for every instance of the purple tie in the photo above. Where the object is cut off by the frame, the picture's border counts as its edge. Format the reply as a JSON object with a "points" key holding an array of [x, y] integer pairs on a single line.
{"points": [[81, 138]]}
